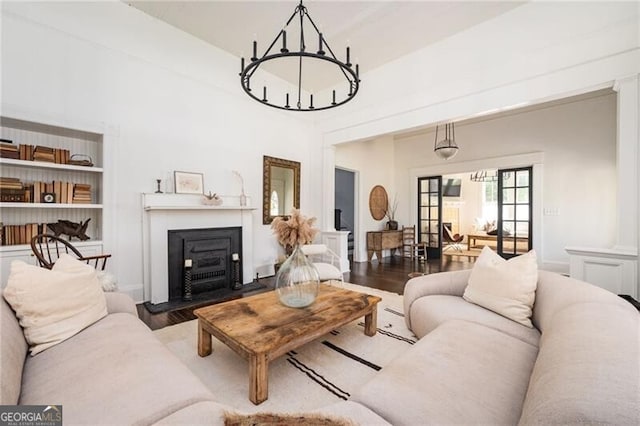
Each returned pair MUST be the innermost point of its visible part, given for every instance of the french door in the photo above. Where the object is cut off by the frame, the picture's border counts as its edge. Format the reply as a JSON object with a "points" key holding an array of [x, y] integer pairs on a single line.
{"points": [[429, 214], [515, 210]]}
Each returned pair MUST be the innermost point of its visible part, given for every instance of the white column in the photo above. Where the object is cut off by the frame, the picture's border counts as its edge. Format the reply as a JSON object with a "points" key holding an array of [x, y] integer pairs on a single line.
{"points": [[616, 269], [328, 187], [627, 161]]}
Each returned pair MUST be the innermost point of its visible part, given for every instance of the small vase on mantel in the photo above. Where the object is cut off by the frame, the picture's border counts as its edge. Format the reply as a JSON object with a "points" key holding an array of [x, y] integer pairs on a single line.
{"points": [[297, 281]]}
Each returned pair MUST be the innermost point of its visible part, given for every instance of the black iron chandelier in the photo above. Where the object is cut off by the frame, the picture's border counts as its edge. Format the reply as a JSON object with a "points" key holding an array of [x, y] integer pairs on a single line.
{"points": [[487, 176], [282, 101], [484, 176]]}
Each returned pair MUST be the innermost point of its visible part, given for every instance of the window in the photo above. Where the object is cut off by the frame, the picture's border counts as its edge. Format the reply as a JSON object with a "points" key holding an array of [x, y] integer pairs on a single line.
{"points": [[490, 201]]}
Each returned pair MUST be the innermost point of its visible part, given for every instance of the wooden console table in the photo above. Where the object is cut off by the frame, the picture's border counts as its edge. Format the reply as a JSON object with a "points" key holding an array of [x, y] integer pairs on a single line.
{"points": [[382, 240], [472, 240]]}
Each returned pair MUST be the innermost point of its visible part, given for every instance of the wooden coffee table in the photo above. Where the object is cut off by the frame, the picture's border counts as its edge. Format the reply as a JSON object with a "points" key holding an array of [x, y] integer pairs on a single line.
{"points": [[260, 329]]}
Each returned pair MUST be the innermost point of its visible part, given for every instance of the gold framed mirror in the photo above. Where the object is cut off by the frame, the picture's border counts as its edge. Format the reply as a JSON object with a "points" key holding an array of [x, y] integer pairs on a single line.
{"points": [[280, 187]]}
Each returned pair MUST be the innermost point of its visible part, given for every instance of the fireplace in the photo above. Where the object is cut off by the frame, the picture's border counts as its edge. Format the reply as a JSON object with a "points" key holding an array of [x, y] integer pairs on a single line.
{"points": [[214, 256]]}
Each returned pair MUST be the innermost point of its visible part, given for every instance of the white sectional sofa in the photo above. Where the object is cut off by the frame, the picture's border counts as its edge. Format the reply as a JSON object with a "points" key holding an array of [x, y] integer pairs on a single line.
{"points": [[578, 365]]}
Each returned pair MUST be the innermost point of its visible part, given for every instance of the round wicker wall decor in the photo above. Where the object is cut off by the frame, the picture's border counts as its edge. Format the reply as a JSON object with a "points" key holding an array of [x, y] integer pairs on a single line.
{"points": [[378, 202]]}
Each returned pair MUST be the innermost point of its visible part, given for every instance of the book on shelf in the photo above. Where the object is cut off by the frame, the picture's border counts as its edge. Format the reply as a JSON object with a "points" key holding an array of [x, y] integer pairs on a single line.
{"points": [[26, 152], [9, 150], [20, 234], [44, 153], [11, 190], [10, 183], [82, 193]]}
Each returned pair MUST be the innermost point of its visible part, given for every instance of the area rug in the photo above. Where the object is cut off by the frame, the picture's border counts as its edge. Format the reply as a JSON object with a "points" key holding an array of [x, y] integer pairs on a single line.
{"points": [[315, 375]]}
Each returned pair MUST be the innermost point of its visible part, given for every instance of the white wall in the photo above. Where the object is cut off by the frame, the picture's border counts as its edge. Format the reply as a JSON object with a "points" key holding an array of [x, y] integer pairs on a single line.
{"points": [[171, 101], [533, 53], [374, 162], [538, 52], [578, 140]]}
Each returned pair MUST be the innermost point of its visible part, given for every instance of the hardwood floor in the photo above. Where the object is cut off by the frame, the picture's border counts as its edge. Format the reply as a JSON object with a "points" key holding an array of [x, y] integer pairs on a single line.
{"points": [[390, 274]]}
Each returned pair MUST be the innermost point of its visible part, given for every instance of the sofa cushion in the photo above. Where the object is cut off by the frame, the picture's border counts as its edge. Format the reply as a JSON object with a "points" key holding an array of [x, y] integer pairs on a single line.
{"points": [[587, 371], [53, 305], [454, 375], [13, 351], [429, 312], [120, 303], [113, 372], [556, 292], [507, 287]]}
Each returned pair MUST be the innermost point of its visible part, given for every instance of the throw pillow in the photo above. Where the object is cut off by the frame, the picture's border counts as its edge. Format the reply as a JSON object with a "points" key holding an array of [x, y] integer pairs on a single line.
{"points": [[506, 287], [53, 305]]}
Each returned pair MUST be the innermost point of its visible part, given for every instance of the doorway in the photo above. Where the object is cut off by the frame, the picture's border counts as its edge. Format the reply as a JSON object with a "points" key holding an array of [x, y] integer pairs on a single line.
{"points": [[345, 205], [487, 208]]}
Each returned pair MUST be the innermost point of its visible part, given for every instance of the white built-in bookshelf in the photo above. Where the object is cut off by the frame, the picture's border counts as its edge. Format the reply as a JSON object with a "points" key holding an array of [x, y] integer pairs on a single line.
{"points": [[86, 145]]}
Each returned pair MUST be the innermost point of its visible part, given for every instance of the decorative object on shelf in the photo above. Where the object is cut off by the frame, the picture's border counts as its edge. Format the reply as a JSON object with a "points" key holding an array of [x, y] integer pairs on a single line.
{"points": [[81, 160], [390, 213], [297, 280], [212, 199], [48, 197], [487, 176], [243, 197], [189, 183], [378, 202], [305, 52], [71, 229], [447, 147], [158, 190]]}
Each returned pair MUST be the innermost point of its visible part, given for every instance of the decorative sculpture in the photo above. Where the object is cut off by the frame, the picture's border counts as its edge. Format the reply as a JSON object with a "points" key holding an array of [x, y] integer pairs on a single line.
{"points": [[71, 229]]}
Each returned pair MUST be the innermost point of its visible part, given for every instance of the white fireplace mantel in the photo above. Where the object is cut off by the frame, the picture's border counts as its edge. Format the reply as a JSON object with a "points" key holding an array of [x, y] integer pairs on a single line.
{"points": [[164, 212]]}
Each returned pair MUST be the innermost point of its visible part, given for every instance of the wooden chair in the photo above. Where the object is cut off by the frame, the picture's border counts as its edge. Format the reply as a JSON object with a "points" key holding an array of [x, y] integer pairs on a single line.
{"points": [[47, 249], [411, 248]]}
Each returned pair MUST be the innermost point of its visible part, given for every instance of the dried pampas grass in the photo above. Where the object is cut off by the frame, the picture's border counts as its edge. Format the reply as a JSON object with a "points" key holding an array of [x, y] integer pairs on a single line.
{"points": [[294, 230]]}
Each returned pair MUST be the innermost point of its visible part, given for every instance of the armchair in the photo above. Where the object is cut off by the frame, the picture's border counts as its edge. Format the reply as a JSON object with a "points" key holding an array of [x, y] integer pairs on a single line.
{"points": [[326, 261], [453, 240]]}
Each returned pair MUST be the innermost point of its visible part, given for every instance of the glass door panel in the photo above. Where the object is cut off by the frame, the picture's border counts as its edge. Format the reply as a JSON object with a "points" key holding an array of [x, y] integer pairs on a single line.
{"points": [[429, 213], [514, 211]]}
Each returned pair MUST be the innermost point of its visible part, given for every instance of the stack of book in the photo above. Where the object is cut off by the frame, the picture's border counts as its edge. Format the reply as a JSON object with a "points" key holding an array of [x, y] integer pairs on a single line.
{"points": [[11, 190], [8, 149], [44, 153], [20, 234], [82, 193]]}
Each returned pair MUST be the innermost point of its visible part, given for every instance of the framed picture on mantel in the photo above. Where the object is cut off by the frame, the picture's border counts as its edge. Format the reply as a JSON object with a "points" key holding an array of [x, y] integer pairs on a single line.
{"points": [[189, 183]]}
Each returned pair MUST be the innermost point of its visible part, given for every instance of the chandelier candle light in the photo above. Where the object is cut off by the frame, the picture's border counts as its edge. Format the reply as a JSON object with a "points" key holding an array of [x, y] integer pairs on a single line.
{"points": [[351, 76]]}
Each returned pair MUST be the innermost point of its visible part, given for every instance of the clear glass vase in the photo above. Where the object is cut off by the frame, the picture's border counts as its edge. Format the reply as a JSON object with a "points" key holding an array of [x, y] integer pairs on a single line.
{"points": [[297, 280]]}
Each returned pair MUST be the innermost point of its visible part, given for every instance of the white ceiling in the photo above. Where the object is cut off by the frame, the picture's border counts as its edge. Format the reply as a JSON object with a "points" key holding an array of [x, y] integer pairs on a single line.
{"points": [[377, 31]]}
